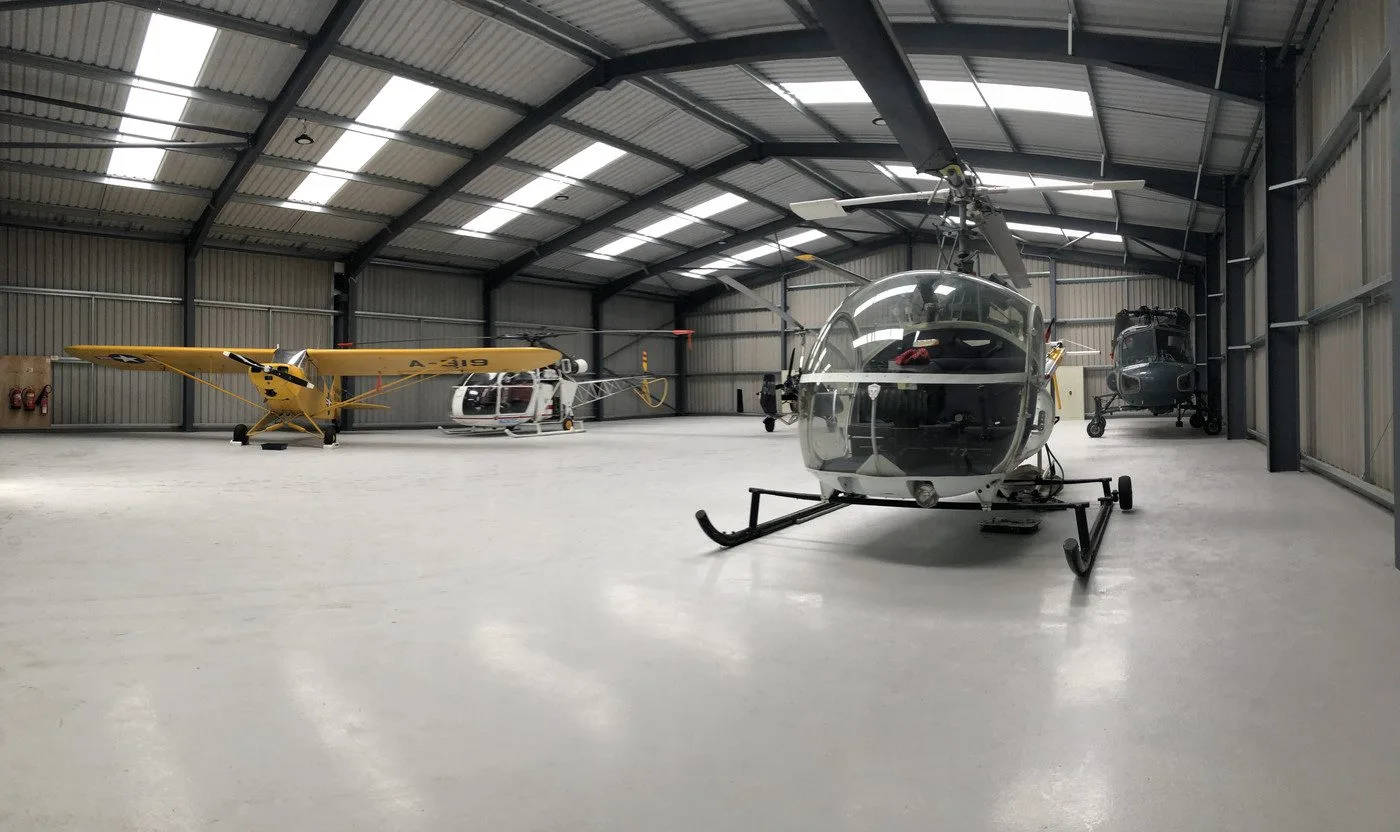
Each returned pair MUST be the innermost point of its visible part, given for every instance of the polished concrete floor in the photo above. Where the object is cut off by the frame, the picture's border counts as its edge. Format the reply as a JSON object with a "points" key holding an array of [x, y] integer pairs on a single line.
{"points": [[419, 632]]}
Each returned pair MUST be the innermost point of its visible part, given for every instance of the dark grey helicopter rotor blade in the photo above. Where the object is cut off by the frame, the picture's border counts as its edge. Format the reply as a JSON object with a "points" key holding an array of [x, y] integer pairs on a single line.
{"points": [[998, 236]]}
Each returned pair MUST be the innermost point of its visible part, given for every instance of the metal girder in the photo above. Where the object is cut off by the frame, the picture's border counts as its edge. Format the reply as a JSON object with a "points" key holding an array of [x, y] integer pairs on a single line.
{"points": [[1393, 40], [1172, 182], [562, 102], [1281, 254], [716, 249], [108, 111], [655, 196], [1179, 63], [863, 39], [317, 52], [1236, 385]]}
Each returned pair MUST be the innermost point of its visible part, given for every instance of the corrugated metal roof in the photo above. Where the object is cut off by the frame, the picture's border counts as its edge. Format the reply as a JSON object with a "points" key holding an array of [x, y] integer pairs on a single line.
{"points": [[805, 70], [1266, 21], [624, 111], [219, 115], [1150, 139], [50, 190], [575, 264], [89, 160], [938, 67], [343, 88], [1227, 155], [686, 139], [498, 182], [783, 189], [124, 200], [727, 18], [283, 143], [550, 146], [462, 121], [1152, 209], [865, 181], [101, 95], [1123, 92], [269, 181], [325, 225], [507, 61], [413, 164], [247, 65], [1028, 73], [776, 118], [428, 256], [488, 250], [362, 197], [103, 34], [1192, 19], [1053, 134], [633, 174], [1007, 12], [302, 15], [628, 25], [193, 169], [720, 83]]}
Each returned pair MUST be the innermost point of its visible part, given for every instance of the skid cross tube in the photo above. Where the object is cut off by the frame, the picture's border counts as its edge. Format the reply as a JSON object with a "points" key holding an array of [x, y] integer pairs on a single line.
{"points": [[1080, 551]]}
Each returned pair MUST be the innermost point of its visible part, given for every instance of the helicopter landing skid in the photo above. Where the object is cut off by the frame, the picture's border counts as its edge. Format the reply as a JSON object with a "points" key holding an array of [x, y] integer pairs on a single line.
{"points": [[1080, 551]]}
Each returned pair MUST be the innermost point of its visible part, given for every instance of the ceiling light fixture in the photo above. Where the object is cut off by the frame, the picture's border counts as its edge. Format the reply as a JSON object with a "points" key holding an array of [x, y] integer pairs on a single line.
{"points": [[878, 121], [304, 138], [560, 197]]}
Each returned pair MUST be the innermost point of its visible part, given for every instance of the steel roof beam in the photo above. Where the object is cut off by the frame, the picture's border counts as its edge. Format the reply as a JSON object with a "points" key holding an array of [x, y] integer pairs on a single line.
{"points": [[316, 55], [1173, 182], [1186, 64], [652, 198]]}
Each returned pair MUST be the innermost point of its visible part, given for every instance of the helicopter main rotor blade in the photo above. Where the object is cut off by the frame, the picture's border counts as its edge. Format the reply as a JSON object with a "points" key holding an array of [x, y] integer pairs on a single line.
{"points": [[827, 265], [734, 284], [1105, 185], [998, 236], [829, 209]]}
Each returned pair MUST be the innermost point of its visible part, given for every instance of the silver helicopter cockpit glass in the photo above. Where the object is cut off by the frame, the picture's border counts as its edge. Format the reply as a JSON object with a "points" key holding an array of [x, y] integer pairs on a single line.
{"points": [[923, 373]]}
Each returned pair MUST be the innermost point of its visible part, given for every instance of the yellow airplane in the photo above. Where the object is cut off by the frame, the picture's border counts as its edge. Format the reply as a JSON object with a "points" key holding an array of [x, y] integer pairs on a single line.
{"points": [[291, 399]]}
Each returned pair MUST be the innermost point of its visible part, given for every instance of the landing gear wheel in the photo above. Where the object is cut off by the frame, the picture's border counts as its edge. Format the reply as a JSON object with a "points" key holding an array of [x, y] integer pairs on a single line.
{"points": [[1125, 493], [328, 437], [1095, 428], [240, 434], [568, 423], [1197, 420], [1074, 556], [768, 423], [1213, 426], [1178, 423]]}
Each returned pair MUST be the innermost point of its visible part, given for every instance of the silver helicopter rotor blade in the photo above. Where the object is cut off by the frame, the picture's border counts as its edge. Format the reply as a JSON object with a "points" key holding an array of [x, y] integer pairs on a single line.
{"points": [[734, 284], [1105, 185], [827, 265], [993, 228]]}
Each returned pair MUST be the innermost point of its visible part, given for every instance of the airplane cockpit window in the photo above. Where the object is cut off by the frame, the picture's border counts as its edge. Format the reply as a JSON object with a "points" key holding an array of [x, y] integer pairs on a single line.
{"points": [[1171, 346], [930, 322], [1153, 345], [285, 356]]}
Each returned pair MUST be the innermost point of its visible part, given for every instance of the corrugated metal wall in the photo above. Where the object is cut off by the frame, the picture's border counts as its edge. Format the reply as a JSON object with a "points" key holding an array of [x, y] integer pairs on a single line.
{"points": [[60, 289], [1344, 258], [403, 309], [622, 354], [736, 342], [256, 300]]}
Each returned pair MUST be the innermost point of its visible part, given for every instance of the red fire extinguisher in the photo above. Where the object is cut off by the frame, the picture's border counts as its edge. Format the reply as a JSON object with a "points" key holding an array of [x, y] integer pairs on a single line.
{"points": [[16, 399], [44, 396], [30, 398]]}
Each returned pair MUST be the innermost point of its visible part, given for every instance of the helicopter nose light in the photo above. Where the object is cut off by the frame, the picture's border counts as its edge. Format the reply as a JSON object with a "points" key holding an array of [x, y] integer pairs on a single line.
{"points": [[924, 493]]}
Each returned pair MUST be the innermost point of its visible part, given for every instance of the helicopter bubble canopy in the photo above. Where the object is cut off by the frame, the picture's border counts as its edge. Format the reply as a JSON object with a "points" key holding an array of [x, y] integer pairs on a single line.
{"points": [[922, 374]]}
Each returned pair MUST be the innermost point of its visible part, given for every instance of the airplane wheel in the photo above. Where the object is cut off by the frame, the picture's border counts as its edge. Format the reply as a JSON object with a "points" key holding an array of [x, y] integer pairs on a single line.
{"points": [[1197, 420], [328, 439], [1178, 423], [568, 424], [240, 434], [1095, 428], [768, 423], [1125, 493], [1213, 426]]}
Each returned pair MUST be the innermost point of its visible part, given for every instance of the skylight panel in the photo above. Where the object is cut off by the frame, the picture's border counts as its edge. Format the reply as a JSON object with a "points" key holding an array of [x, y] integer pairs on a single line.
{"points": [[737, 260], [578, 166], [717, 205], [956, 94], [173, 52], [673, 223], [390, 109], [1027, 228]]}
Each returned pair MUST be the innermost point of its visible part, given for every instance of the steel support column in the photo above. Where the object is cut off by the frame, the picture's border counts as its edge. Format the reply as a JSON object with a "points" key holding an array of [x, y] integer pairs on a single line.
{"points": [[1393, 27], [596, 321], [191, 283], [1200, 299], [682, 368], [488, 314], [1281, 230], [345, 303], [783, 335], [1215, 350], [1236, 417]]}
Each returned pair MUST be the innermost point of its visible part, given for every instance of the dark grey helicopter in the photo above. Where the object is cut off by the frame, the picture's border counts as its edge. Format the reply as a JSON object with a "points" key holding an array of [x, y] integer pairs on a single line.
{"points": [[1153, 370]]}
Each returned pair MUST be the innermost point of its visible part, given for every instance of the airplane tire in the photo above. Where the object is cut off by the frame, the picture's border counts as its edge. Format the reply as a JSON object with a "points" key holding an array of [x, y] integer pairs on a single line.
{"points": [[1095, 428], [1213, 426], [240, 434], [328, 437], [1125, 493], [1197, 420], [768, 423]]}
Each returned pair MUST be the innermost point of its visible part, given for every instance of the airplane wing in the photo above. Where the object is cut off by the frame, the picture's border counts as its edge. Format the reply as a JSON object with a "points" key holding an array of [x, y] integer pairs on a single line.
{"points": [[156, 359], [371, 362]]}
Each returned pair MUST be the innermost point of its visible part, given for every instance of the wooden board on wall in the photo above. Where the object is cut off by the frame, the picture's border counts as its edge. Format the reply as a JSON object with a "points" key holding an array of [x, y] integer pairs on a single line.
{"points": [[31, 372]]}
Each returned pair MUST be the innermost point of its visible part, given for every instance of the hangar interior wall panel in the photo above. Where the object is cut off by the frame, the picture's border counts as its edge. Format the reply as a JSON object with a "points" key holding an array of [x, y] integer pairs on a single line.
{"points": [[407, 308], [59, 289], [735, 345], [1256, 276], [1344, 239], [256, 300], [623, 353]]}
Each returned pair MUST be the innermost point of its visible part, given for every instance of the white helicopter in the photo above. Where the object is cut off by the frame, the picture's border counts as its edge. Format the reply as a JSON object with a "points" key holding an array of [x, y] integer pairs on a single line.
{"points": [[545, 401], [931, 384]]}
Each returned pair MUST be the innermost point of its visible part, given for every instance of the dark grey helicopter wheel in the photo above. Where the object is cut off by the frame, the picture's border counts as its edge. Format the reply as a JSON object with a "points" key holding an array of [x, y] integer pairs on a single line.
{"points": [[1198, 421], [1213, 425], [768, 423], [1095, 428]]}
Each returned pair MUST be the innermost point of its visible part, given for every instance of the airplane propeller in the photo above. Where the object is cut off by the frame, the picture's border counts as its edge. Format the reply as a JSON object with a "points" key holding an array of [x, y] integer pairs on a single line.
{"points": [[269, 370]]}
